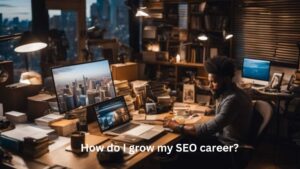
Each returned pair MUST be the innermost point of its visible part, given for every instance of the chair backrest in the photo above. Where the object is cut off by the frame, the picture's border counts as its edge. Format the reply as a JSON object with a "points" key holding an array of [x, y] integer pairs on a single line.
{"points": [[265, 110], [262, 112]]}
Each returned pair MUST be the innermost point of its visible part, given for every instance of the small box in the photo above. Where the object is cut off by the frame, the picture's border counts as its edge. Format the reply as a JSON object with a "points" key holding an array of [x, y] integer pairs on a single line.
{"points": [[64, 127], [16, 117], [126, 71]]}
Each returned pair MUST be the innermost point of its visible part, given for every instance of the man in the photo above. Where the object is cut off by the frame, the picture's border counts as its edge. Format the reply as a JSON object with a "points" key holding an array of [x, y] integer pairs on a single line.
{"points": [[233, 112]]}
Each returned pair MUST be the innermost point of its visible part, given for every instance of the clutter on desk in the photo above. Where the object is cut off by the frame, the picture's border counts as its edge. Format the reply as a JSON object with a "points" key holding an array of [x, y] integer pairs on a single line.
{"points": [[64, 127], [38, 104], [5, 124], [34, 148], [77, 140], [108, 157], [48, 119], [130, 103], [11, 161], [16, 117], [13, 139], [122, 87]]}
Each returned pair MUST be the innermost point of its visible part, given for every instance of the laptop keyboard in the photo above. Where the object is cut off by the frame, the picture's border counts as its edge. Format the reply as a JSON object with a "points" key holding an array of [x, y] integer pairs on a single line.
{"points": [[125, 128]]}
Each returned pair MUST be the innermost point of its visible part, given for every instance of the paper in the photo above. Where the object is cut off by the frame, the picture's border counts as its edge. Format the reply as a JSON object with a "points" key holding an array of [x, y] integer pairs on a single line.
{"points": [[15, 113], [138, 117], [137, 131], [20, 132], [159, 117]]}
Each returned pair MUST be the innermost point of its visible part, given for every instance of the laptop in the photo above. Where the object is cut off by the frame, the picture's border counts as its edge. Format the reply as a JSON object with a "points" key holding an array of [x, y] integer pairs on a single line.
{"points": [[114, 119]]}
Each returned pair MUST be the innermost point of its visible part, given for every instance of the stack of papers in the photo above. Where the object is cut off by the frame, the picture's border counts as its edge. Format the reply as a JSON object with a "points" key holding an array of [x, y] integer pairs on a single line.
{"points": [[19, 133], [48, 119], [16, 117]]}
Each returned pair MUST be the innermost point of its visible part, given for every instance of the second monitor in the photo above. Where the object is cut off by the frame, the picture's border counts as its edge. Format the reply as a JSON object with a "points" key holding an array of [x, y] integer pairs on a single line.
{"points": [[256, 71]]}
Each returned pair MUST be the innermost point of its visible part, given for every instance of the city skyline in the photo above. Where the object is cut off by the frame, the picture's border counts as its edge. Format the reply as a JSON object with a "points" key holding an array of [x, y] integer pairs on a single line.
{"points": [[22, 9], [91, 70]]}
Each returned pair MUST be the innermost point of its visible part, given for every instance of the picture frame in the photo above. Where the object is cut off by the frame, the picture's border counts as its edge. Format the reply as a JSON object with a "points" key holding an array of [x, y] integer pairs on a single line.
{"points": [[276, 81], [188, 93], [151, 108], [290, 83]]}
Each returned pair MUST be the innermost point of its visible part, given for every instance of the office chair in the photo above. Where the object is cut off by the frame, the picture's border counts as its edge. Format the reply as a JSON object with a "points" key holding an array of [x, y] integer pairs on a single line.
{"points": [[262, 113]]}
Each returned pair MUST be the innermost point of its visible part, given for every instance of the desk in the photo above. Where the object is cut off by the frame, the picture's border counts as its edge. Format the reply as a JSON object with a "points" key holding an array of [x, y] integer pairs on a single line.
{"points": [[89, 160]]}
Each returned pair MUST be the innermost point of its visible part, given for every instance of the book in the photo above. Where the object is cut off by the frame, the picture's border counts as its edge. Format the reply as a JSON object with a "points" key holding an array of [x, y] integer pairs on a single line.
{"points": [[35, 154], [48, 119]]}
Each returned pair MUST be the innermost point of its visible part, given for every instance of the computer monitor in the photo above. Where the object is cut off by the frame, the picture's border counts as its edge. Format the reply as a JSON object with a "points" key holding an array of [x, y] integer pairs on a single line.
{"points": [[256, 71], [82, 84]]}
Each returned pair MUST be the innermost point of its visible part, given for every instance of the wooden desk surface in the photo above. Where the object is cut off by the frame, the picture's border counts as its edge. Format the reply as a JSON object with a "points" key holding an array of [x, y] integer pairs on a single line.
{"points": [[89, 160]]}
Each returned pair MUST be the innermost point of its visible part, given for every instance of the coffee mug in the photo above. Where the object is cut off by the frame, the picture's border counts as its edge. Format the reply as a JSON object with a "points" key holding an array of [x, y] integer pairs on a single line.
{"points": [[77, 139]]}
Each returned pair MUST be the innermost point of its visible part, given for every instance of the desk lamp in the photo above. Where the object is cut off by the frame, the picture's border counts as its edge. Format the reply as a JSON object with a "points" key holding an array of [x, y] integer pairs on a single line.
{"points": [[29, 43]]}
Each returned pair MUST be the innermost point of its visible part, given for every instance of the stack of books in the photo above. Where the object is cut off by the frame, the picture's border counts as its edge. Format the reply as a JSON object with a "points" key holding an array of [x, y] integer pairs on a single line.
{"points": [[164, 100], [158, 89], [122, 87], [129, 102], [139, 87], [13, 140], [34, 148], [48, 119]]}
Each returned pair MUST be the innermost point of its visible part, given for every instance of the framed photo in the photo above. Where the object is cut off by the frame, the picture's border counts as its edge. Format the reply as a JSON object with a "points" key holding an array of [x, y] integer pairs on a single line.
{"points": [[188, 93], [291, 81], [276, 80], [151, 108]]}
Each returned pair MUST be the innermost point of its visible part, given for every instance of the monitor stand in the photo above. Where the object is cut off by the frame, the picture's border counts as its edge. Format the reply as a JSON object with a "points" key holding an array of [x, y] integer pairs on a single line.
{"points": [[256, 84]]}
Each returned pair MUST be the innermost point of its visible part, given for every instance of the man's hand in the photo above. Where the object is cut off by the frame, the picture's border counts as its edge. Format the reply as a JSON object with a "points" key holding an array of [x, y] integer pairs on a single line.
{"points": [[169, 123], [208, 111]]}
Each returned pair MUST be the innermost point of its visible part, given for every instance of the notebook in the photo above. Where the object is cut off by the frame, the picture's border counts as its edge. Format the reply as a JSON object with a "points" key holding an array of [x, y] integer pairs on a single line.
{"points": [[113, 119]]}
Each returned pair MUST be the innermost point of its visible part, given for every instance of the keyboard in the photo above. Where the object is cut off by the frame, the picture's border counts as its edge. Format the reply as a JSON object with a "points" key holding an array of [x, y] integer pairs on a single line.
{"points": [[125, 128]]}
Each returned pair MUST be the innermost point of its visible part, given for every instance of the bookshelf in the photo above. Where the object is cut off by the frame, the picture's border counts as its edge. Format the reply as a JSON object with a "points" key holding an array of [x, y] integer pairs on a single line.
{"points": [[174, 73], [176, 32]]}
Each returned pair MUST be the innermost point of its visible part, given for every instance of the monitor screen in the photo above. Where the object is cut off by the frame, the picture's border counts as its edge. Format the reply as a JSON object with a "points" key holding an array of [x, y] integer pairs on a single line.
{"points": [[256, 69], [82, 84], [111, 113]]}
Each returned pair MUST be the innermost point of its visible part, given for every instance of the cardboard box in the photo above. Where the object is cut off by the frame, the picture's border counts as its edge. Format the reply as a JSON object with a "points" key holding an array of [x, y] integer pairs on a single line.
{"points": [[64, 127], [125, 71]]}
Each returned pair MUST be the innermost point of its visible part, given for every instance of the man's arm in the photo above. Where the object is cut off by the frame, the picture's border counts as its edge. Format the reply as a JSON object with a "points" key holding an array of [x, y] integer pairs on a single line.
{"points": [[227, 113]]}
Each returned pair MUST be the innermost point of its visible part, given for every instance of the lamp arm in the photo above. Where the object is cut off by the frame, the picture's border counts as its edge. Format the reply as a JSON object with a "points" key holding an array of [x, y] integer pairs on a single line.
{"points": [[4, 38]]}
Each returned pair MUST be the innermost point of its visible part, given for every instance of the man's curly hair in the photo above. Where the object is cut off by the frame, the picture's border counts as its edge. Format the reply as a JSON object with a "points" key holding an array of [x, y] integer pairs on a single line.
{"points": [[220, 66]]}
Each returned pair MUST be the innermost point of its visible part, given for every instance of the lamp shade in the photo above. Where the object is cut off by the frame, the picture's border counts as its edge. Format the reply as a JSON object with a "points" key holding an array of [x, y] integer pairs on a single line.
{"points": [[227, 35], [141, 12], [29, 43], [203, 37]]}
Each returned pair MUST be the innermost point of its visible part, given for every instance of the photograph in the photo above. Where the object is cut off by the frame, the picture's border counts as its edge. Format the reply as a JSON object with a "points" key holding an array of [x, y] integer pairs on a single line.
{"points": [[291, 81], [188, 93], [151, 108], [276, 80]]}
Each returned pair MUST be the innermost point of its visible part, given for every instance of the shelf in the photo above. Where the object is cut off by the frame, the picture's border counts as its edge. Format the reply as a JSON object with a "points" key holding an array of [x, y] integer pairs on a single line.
{"points": [[182, 64]]}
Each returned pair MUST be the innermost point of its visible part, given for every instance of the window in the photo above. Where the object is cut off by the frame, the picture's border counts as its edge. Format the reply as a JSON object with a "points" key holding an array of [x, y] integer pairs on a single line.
{"points": [[63, 28], [15, 17], [110, 15], [268, 30]]}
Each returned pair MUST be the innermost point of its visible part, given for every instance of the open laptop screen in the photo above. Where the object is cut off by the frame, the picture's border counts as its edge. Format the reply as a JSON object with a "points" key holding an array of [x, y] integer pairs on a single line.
{"points": [[111, 113]]}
